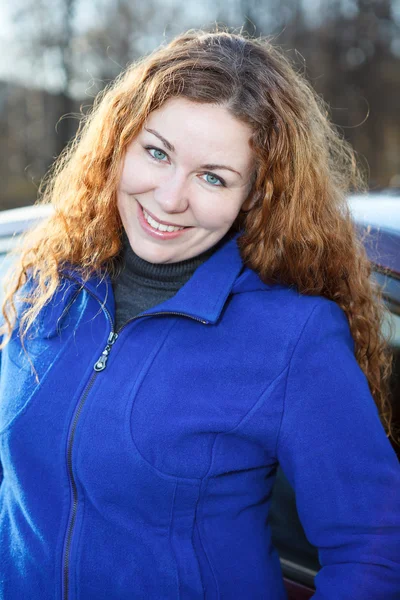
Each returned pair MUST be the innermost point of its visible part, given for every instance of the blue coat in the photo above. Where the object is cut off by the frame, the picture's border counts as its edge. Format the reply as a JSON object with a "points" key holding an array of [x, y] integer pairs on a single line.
{"points": [[150, 477]]}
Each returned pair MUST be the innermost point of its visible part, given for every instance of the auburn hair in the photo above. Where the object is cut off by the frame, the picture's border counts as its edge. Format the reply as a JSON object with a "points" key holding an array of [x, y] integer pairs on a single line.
{"points": [[299, 230]]}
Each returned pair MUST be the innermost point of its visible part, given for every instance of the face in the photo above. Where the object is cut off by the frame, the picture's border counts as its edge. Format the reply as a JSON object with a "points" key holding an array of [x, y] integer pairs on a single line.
{"points": [[189, 167]]}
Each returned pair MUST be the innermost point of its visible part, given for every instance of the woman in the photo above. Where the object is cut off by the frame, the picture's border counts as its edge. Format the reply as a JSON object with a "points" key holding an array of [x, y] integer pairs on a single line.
{"points": [[196, 311]]}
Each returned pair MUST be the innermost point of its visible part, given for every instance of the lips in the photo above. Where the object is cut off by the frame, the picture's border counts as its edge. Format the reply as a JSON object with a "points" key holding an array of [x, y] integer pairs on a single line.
{"points": [[158, 234], [163, 222]]}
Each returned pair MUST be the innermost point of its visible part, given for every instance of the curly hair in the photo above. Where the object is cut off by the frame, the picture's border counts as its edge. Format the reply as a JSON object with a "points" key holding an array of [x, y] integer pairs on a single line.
{"points": [[299, 230]]}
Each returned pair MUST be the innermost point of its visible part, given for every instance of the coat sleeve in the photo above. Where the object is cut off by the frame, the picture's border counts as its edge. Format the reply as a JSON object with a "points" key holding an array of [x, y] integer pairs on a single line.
{"points": [[345, 474]]}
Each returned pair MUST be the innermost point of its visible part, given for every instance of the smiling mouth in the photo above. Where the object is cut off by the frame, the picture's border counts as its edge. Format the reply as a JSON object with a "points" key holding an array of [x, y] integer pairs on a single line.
{"points": [[161, 225]]}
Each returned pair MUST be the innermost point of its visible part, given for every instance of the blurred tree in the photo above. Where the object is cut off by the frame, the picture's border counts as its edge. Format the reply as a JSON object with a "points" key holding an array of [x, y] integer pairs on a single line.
{"points": [[122, 31], [39, 123], [350, 51], [46, 38], [351, 63]]}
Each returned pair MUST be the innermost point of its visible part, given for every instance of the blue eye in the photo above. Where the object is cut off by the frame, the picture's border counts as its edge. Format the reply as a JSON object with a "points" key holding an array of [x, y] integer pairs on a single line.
{"points": [[157, 153], [220, 182], [159, 156]]}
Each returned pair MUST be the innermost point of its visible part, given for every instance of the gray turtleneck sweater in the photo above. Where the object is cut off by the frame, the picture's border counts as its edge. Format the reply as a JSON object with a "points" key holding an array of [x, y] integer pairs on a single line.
{"points": [[140, 284]]}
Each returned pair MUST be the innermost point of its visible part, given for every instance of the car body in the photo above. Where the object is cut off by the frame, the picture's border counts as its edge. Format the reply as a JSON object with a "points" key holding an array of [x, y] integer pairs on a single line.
{"points": [[377, 218]]}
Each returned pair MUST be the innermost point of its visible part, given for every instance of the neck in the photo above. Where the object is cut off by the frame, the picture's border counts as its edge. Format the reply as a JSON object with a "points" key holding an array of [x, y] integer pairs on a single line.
{"points": [[176, 272]]}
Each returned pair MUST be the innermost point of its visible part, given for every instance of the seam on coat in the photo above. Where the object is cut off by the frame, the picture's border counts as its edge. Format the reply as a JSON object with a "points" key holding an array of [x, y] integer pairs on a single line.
{"points": [[82, 311], [33, 395], [170, 540], [199, 508], [66, 309], [147, 365], [287, 378], [197, 526], [255, 406], [42, 316], [260, 399], [168, 476]]}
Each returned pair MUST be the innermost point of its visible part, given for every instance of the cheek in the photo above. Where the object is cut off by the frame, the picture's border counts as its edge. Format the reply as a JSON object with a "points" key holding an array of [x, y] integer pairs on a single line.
{"points": [[215, 211], [125, 208], [137, 176]]}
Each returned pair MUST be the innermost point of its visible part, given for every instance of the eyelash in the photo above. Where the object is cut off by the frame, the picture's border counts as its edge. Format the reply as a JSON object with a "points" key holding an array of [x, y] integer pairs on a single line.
{"points": [[222, 182]]}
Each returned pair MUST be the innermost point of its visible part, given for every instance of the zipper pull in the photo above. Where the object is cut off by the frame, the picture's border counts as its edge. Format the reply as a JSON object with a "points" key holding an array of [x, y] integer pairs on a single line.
{"points": [[100, 364]]}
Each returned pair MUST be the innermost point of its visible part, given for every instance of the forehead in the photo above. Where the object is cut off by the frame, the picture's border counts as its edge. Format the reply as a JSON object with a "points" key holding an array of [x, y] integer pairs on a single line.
{"points": [[202, 129]]}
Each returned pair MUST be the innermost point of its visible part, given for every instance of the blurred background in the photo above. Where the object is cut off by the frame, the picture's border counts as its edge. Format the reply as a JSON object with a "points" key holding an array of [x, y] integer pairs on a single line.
{"points": [[58, 54]]}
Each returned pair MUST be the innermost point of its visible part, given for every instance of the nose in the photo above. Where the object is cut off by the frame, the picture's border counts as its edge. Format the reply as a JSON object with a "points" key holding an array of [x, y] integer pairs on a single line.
{"points": [[172, 193]]}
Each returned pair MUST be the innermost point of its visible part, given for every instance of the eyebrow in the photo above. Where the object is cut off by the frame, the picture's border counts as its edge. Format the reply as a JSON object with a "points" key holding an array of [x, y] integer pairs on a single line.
{"points": [[171, 148]]}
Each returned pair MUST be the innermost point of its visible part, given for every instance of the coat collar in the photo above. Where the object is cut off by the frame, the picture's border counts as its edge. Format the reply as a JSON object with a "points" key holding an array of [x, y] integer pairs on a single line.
{"points": [[203, 296]]}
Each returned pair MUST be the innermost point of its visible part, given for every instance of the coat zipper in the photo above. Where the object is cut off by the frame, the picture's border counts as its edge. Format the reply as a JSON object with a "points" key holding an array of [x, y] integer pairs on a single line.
{"points": [[99, 365]]}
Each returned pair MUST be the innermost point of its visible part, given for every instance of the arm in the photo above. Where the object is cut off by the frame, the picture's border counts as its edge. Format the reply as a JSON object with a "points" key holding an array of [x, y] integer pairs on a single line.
{"points": [[346, 476]]}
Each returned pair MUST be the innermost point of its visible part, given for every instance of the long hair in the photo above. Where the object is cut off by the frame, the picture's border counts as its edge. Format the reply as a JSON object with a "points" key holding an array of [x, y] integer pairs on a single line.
{"points": [[299, 230]]}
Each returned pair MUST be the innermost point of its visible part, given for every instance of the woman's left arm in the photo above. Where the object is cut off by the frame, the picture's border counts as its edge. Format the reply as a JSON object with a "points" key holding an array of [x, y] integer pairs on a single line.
{"points": [[335, 453]]}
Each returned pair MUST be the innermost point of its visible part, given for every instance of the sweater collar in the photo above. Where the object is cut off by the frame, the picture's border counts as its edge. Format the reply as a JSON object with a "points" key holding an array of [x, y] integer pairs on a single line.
{"points": [[167, 275], [202, 297]]}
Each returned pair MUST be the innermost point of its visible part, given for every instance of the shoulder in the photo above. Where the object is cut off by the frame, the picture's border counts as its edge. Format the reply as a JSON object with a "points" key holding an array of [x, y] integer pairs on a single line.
{"points": [[282, 306], [52, 311]]}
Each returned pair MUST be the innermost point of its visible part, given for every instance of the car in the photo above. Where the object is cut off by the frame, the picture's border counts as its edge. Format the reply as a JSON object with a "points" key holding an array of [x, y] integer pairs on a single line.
{"points": [[377, 217]]}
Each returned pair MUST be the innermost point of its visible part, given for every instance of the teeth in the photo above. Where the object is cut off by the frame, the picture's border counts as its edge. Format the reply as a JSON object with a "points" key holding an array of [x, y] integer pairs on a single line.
{"points": [[160, 226]]}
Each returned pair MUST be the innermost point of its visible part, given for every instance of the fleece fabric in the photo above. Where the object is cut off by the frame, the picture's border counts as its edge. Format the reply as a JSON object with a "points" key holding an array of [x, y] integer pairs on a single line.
{"points": [[141, 466], [140, 284]]}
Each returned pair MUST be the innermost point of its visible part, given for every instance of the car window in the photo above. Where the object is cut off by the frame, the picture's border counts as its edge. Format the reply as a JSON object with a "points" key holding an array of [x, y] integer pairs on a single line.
{"points": [[299, 558]]}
